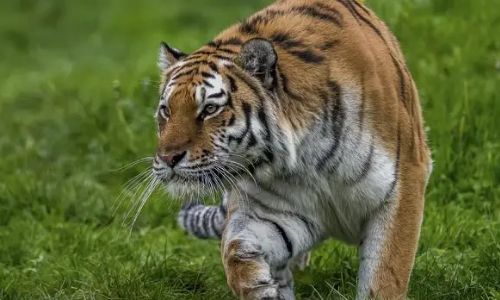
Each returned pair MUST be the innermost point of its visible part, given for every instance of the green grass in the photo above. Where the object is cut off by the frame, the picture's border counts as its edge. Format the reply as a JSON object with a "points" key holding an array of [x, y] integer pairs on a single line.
{"points": [[77, 92]]}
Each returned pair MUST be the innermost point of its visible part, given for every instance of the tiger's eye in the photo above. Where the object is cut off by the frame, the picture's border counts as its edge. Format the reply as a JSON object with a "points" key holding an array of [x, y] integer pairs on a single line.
{"points": [[164, 112], [210, 109]]}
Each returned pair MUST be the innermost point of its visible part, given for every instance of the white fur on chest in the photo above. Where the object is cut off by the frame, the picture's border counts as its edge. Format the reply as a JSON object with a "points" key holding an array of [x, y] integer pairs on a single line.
{"points": [[331, 197], [338, 209]]}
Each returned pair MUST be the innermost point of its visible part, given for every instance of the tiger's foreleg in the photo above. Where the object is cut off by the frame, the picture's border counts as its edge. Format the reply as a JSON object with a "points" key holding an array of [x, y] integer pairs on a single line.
{"points": [[258, 252]]}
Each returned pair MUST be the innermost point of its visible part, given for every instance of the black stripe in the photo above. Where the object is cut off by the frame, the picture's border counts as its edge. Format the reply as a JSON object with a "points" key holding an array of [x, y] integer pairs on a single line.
{"points": [[206, 215], [185, 73], [229, 101], [199, 57], [186, 218], [358, 16], [225, 50], [269, 155], [217, 95], [216, 222], [261, 115], [231, 120], [284, 236], [274, 74], [207, 83], [307, 56], [215, 226], [292, 215], [285, 41], [171, 71], [247, 109], [263, 120], [365, 169], [212, 44], [337, 116], [199, 215], [223, 210], [349, 7], [231, 41], [358, 4], [210, 227], [286, 88], [252, 141], [249, 83], [218, 56], [334, 17], [249, 26], [192, 222], [402, 86], [232, 83], [402, 94], [199, 54], [188, 63], [207, 75], [202, 52], [213, 66]]}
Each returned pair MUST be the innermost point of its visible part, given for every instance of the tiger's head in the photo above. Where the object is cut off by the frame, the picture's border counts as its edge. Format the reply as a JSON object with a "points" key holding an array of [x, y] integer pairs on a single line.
{"points": [[214, 116]]}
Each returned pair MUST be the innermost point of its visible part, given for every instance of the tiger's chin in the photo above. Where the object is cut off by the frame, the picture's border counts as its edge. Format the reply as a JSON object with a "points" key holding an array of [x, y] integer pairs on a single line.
{"points": [[181, 188]]}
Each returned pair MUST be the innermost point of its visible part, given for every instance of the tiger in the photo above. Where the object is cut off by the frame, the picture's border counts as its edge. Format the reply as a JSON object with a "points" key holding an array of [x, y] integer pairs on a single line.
{"points": [[306, 116]]}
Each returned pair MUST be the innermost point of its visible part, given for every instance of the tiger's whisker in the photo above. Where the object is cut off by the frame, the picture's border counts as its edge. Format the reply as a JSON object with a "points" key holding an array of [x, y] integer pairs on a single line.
{"points": [[132, 164]]}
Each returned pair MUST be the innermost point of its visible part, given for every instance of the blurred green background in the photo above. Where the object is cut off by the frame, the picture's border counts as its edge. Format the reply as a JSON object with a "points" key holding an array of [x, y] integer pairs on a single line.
{"points": [[77, 92]]}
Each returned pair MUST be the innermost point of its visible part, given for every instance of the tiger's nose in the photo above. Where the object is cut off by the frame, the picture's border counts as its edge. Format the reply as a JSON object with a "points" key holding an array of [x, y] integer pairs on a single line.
{"points": [[173, 159]]}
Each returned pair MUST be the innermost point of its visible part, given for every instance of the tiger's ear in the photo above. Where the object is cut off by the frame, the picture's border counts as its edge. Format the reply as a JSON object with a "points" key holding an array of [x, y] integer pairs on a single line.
{"points": [[257, 56], [168, 56]]}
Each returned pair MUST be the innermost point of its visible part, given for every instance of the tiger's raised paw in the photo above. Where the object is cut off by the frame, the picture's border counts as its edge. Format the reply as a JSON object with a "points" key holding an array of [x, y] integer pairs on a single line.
{"points": [[267, 292], [261, 292]]}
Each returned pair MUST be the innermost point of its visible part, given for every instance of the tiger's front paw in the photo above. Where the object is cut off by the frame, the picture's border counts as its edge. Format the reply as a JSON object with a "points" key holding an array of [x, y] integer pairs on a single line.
{"points": [[248, 274], [251, 280], [261, 291]]}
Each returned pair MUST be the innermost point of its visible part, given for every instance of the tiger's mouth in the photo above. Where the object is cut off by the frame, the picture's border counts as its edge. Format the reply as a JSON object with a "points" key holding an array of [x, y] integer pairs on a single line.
{"points": [[208, 179], [198, 176]]}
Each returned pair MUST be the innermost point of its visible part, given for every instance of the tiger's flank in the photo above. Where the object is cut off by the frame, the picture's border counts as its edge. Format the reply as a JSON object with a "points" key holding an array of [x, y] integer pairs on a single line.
{"points": [[307, 117]]}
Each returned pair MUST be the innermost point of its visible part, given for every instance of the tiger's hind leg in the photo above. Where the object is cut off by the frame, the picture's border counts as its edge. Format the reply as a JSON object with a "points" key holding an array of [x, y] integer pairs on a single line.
{"points": [[390, 241]]}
